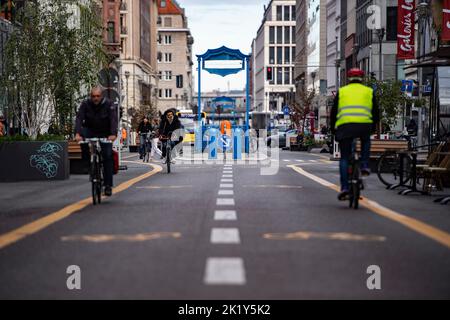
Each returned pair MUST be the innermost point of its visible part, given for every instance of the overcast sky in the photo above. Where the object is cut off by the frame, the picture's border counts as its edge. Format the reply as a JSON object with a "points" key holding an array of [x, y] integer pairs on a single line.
{"points": [[214, 23]]}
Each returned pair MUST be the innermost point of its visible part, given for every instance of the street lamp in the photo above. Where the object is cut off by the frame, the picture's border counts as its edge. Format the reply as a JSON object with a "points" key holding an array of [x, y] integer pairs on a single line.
{"points": [[127, 76], [423, 14], [380, 33]]}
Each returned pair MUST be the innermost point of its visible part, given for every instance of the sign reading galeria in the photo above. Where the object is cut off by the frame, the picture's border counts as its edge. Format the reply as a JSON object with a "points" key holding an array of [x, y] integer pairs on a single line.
{"points": [[405, 27], [446, 21]]}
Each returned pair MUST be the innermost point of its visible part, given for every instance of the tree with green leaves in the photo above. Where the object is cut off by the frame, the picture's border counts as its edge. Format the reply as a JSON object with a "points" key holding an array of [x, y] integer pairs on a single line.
{"points": [[391, 99], [53, 57]]}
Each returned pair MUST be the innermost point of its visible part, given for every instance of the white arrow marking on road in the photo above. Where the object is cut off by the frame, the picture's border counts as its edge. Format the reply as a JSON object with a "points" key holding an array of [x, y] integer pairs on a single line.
{"points": [[225, 271], [225, 235]]}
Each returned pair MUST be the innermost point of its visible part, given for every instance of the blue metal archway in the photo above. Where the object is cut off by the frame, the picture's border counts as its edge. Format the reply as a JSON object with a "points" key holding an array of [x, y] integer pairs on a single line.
{"points": [[227, 55]]}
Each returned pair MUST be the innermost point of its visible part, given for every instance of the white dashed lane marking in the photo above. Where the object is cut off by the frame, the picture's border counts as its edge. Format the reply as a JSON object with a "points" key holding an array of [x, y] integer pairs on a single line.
{"points": [[226, 185], [225, 235], [225, 202], [226, 192], [224, 271], [225, 215], [226, 180]]}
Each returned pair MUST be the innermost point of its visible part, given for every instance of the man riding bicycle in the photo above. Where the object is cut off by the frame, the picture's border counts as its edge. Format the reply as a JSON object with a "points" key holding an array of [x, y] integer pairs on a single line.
{"points": [[355, 114], [97, 118], [169, 125], [144, 128]]}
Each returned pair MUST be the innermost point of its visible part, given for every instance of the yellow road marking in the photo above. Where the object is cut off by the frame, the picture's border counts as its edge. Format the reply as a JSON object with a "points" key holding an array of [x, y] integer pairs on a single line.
{"points": [[130, 156], [420, 227], [303, 235], [140, 237], [42, 223]]}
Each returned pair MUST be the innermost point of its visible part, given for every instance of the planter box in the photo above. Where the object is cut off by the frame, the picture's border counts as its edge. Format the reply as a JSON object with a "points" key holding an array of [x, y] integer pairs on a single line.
{"points": [[34, 160]]}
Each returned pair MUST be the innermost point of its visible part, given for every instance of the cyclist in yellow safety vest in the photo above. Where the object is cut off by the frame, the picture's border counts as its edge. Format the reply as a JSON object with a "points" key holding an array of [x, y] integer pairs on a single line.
{"points": [[355, 114]]}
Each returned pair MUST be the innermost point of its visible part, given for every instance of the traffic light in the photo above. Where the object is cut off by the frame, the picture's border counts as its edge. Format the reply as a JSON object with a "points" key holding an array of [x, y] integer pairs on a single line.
{"points": [[269, 74], [180, 81]]}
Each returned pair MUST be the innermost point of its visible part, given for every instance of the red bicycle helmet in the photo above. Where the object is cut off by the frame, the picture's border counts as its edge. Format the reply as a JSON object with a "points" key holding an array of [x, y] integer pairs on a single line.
{"points": [[355, 73]]}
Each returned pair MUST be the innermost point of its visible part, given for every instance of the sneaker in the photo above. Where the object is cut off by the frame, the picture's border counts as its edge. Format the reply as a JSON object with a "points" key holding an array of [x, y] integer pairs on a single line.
{"points": [[173, 161], [108, 191], [343, 195]]}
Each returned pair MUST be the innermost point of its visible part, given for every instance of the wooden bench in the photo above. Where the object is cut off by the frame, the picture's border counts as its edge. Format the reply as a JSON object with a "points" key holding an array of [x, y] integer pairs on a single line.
{"points": [[294, 146], [74, 150], [378, 147], [77, 165]]}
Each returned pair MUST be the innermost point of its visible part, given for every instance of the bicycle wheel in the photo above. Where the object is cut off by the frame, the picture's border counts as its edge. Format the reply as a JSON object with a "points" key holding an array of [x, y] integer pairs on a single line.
{"points": [[94, 181], [356, 188], [168, 157], [389, 168], [99, 183]]}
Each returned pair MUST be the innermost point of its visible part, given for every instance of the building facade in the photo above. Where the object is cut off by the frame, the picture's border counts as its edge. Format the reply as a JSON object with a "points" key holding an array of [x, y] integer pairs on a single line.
{"points": [[175, 63], [138, 42], [274, 47]]}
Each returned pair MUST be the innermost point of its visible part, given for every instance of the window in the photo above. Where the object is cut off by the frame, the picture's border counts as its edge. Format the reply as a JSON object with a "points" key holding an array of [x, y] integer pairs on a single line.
{"points": [[280, 75], [167, 57], [168, 93], [279, 35], [293, 17], [293, 34], [279, 13], [160, 93], [272, 55], [287, 55], [271, 35], [168, 22], [163, 3], [279, 55], [167, 39], [167, 75], [293, 53], [111, 32], [287, 13], [287, 35], [160, 75], [391, 24], [287, 77]]}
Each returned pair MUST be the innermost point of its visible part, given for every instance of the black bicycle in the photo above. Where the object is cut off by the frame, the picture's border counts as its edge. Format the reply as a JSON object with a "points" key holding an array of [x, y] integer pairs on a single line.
{"points": [[167, 143], [147, 146], [394, 167], [96, 167], [354, 179]]}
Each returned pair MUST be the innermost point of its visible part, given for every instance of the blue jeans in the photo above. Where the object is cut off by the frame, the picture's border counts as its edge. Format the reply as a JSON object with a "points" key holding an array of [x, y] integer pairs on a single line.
{"points": [[346, 146]]}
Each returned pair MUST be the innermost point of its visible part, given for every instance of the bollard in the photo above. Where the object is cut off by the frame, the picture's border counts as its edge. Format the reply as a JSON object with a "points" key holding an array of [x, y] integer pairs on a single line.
{"points": [[198, 144], [237, 144], [213, 142]]}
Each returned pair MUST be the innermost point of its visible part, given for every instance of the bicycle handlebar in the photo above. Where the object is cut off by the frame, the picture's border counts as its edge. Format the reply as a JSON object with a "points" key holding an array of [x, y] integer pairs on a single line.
{"points": [[102, 140]]}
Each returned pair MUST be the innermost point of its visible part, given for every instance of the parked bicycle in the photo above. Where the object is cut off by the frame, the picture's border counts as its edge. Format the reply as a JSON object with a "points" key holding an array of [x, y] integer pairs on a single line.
{"points": [[394, 167], [96, 167]]}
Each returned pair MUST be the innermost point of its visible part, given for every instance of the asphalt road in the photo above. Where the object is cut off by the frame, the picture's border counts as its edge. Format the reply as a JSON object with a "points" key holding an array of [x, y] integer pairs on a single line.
{"points": [[223, 232]]}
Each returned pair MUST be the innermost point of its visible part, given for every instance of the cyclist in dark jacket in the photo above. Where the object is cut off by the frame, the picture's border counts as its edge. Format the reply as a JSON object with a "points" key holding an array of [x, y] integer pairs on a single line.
{"points": [[97, 118], [144, 128], [169, 124]]}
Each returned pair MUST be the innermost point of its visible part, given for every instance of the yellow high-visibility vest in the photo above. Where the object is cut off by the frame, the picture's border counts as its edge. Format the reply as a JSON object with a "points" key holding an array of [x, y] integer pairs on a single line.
{"points": [[355, 104]]}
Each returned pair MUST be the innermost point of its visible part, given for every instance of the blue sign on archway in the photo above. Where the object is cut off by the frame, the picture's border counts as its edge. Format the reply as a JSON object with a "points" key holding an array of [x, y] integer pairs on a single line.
{"points": [[223, 61]]}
